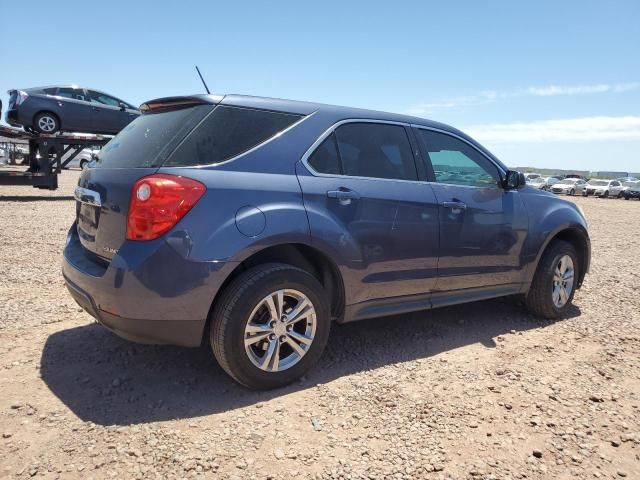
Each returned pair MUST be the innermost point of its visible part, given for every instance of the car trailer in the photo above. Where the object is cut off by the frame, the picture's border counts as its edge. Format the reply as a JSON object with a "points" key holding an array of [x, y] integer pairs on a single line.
{"points": [[45, 156]]}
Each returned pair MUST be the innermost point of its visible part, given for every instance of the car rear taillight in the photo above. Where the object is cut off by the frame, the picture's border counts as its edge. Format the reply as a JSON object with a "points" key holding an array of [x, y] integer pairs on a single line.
{"points": [[22, 96], [158, 202]]}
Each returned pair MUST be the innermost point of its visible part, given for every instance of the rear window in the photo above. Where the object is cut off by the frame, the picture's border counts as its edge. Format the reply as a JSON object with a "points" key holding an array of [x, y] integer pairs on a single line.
{"points": [[150, 138], [228, 132]]}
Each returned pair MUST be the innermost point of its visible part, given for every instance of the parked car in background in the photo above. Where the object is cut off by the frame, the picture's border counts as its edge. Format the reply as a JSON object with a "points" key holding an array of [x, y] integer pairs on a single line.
{"points": [[543, 183], [569, 186], [627, 185], [68, 108], [537, 182], [628, 179], [299, 215], [632, 192], [603, 188], [531, 176]]}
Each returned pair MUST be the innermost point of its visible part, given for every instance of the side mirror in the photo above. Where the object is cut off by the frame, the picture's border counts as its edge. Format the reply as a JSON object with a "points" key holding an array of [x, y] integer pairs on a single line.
{"points": [[514, 180], [123, 107]]}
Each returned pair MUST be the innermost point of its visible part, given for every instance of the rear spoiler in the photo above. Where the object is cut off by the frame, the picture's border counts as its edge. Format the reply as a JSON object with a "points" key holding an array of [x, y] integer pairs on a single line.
{"points": [[175, 103]]}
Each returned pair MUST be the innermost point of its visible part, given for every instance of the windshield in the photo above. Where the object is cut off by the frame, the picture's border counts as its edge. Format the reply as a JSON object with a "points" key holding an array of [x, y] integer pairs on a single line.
{"points": [[630, 184], [598, 183], [570, 180], [536, 180]]}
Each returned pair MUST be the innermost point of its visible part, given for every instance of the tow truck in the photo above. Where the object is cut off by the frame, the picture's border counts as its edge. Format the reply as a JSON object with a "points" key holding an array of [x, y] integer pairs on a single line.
{"points": [[46, 152]]}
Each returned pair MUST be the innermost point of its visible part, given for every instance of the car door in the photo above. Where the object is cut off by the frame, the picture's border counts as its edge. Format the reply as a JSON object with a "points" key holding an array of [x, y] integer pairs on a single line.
{"points": [[615, 189], [108, 113], [364, 201], [482, 226], [73, 109]]}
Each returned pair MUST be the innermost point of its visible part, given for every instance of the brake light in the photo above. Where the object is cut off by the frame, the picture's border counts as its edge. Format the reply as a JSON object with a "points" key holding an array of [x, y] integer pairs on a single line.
{"points": [[158, 202], [22, 96]]}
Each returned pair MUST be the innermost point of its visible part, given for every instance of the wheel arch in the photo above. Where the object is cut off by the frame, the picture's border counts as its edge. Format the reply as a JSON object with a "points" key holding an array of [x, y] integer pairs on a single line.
{"points": [[578, 237], [304, 256]]}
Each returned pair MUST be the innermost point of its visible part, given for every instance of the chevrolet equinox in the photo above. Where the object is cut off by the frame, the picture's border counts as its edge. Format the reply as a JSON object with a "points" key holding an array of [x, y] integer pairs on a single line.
{"points": [[254, 223]]}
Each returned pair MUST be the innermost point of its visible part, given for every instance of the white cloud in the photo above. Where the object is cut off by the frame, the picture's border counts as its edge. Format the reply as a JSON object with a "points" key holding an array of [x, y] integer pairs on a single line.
{"points": [[553, 90], [572, 129], [490, 96], [625, 87], [481, 98]]}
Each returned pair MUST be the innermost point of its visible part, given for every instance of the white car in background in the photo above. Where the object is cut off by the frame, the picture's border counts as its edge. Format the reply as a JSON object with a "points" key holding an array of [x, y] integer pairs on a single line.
{"points": [[603, 188], [83, 158], [569, 186]]}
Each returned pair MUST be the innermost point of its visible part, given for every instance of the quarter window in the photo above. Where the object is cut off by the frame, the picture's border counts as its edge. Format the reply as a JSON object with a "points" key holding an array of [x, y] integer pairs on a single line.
{"points": [[228, 132], [325, 158], [456, 162]]}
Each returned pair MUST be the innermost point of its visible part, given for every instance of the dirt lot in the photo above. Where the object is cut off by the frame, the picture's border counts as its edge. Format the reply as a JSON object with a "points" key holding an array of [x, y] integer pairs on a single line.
{"points": [[476, 391]]}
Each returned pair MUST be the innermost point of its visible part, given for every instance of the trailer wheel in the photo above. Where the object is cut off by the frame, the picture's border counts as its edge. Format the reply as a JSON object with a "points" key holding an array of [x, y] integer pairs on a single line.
{"points": [[46, 122]]}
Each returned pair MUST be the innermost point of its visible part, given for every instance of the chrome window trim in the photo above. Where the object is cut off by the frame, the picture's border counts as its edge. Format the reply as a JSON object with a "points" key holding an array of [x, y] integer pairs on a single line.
{"points": [[247, 152], [331, 129]]}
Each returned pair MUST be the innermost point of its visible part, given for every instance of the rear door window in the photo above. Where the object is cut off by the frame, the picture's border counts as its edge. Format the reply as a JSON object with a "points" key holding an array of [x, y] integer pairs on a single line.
{"points": [[74, 93], [227, 132], [375, 150]]}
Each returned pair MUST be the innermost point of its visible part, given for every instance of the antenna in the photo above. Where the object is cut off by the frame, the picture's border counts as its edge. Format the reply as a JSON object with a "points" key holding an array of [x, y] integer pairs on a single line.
{"points": [[203, 82]]}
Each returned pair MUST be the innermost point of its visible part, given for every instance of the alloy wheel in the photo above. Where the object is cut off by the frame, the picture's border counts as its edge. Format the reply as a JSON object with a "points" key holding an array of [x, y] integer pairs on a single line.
{"points": [[562, 281], [46, 123], [280, 330]]}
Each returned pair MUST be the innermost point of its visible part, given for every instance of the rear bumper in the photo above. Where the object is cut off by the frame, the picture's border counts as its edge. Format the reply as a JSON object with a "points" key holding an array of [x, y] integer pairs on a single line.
{"points": [[149, 293]]}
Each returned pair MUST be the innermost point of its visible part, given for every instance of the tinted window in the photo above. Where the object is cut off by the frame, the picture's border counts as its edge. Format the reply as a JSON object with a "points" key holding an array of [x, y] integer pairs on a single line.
{"points": [[227, 132], [50, 91], [97, 97], [325, 158], [375, 150], [75, 93], [456, 162], [150, 138]]}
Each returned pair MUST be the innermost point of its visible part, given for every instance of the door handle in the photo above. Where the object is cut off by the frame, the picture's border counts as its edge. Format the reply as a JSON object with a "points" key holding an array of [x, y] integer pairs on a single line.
{"points": [[343, 194], [95, 109], [455, 206]]}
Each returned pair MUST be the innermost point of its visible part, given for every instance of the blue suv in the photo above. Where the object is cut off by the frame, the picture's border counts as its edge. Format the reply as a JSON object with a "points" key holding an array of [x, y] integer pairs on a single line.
{"points": [[254, 223]]}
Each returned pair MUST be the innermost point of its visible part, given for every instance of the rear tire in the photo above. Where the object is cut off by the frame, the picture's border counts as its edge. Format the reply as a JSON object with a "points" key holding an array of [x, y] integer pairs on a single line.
{"points": [[47, 123], [541, 299], [83, 164], [244, 313]]}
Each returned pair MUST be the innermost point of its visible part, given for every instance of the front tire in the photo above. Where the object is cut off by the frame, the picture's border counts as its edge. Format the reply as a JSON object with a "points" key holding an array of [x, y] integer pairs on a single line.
{"points": [[554, 282], [606, 194], [270, 325], [572, 192]]}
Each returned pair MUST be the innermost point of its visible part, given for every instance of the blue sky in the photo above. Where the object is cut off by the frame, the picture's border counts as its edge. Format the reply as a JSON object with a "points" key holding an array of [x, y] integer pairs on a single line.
{"points": [[545, 83]]}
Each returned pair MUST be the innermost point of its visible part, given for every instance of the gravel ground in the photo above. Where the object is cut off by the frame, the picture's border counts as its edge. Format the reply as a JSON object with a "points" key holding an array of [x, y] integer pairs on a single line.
{"points": [[479, 391]]}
